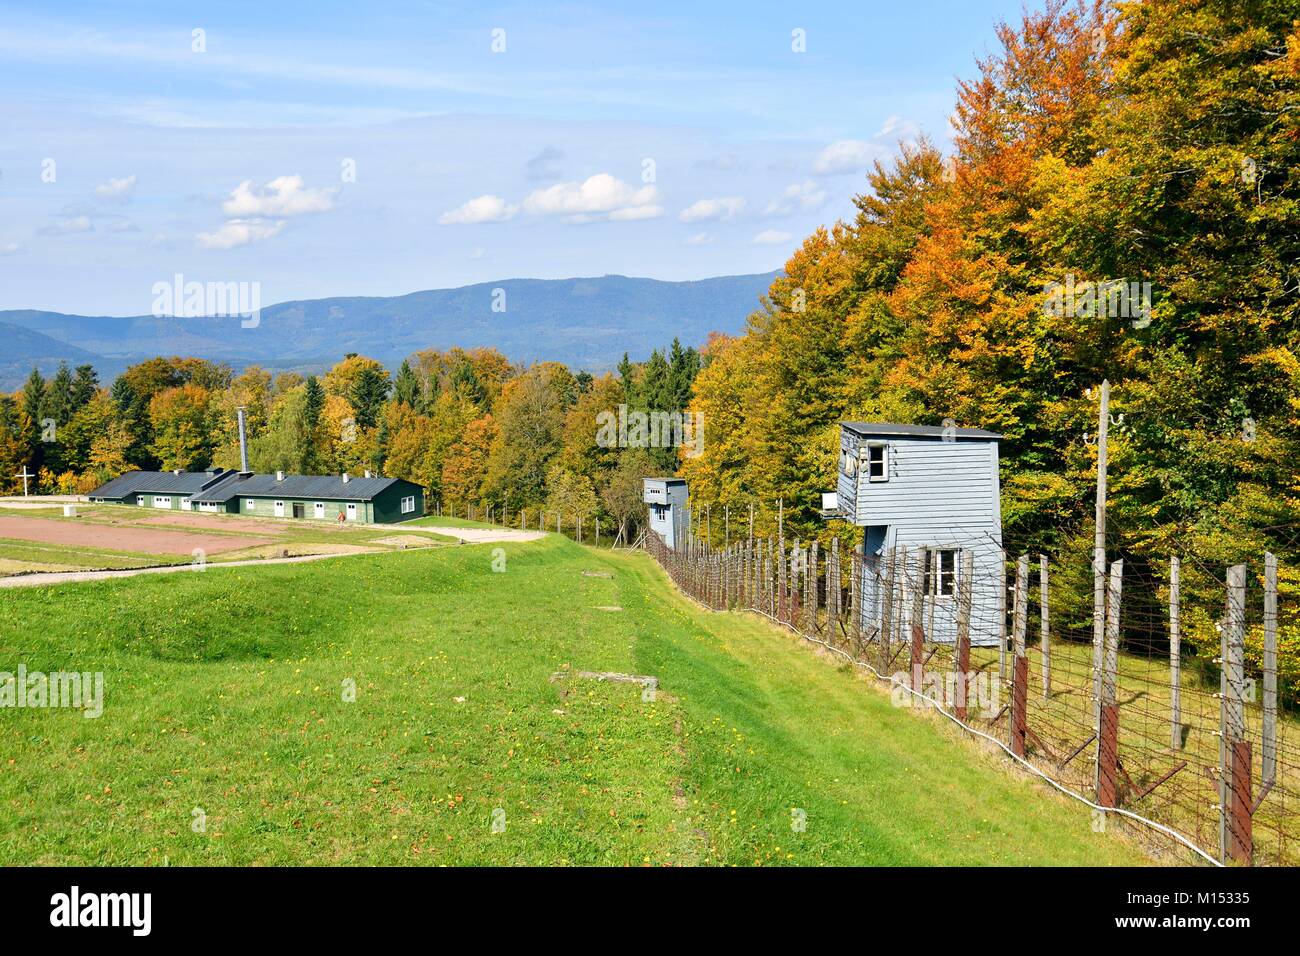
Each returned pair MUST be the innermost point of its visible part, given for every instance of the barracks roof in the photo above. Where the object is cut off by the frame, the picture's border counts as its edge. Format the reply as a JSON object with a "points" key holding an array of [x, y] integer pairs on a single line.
{"points": [[158, 482], [319, 487], [219, 487]]}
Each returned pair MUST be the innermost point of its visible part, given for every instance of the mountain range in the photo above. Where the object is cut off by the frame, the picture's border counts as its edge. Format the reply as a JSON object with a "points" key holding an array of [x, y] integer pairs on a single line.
{"points": [[587, 323]]}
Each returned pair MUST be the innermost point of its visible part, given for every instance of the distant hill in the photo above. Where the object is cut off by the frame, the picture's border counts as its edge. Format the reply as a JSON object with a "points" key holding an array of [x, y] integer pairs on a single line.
{"points": [[586, 323], [21, 348]]}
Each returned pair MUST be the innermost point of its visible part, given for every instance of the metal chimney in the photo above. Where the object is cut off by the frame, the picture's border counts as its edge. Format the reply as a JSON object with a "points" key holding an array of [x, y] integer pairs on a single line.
{"points": [[243, 444]]}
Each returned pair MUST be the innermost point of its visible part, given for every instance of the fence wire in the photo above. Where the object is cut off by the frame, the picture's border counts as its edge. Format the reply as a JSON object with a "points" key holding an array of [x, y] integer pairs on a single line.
{"points": [[1152, 688]]}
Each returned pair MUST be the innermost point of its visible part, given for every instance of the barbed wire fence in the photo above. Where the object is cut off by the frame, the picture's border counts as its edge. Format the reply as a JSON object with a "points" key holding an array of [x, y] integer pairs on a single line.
{"points": [[1164, 709], [1159, 703]]}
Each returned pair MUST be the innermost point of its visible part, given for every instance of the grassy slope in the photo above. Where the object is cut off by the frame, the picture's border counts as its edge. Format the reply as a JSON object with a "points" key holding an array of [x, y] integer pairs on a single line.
{"points": [[223, 693]]}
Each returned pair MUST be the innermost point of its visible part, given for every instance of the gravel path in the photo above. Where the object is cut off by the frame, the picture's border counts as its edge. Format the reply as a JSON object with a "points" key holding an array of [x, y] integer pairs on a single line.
{"points": [[466, 535], [478, 535]]}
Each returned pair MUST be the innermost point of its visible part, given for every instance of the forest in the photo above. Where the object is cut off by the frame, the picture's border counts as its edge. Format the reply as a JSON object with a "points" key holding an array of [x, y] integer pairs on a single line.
{"points": [[1150, 146], [470, 426]]}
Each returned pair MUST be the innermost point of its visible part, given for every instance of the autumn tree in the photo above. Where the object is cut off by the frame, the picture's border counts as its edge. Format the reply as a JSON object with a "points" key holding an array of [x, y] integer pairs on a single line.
{"points": [[181, 426]]}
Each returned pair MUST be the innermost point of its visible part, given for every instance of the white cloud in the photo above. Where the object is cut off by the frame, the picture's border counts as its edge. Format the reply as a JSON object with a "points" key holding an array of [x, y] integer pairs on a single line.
{"points": [[9, 248], [480, 209], [259, 214], [631, 213], [699, 239], [241, 232], [799, 197], [598, 196], [283, 196], [896, 127], [847, 156], [704, 209], [116, 190], [68, 226], [772, 237]]}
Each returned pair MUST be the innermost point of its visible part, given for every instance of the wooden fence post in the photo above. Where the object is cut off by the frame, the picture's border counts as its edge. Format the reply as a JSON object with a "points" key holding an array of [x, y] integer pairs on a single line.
{"points": [[885, 606], [1002, 617], [813, 562], [1020, 609], [833, 592], [1019, 663], [918, 621], [767, 569], [964, 593], [781, 582], [1235, 838], [1044, 627], [856, 572], [1268, 729], [1175, 654], [1108, 723]]}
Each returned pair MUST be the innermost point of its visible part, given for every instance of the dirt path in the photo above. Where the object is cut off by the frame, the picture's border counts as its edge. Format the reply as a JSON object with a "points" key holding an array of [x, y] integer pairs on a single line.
{"points": [[66, 577], [477, 535], [120, 537], [466, 535]]}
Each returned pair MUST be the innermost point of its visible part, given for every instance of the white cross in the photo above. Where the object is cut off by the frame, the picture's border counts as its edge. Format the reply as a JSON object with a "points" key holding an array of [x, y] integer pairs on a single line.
{"points": [[24, 476]]}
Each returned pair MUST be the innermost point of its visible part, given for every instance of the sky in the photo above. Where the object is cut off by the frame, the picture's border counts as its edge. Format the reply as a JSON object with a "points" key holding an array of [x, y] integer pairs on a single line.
{"points": [[331, 149]]}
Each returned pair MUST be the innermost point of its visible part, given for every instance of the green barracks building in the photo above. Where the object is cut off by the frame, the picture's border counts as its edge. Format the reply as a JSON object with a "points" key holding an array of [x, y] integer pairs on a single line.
{"points": [[365, 500]]}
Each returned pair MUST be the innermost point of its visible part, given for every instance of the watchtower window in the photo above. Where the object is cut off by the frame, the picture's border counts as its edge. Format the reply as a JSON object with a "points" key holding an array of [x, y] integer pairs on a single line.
{"points": [[940, 571], [877, 462]]}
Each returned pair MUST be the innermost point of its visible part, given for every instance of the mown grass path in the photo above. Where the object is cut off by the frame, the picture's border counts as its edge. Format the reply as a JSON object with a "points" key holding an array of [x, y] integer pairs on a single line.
{"points": [[225, 703]]}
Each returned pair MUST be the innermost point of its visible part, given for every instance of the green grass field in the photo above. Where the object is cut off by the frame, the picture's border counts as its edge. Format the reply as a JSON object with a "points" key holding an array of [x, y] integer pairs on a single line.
{"points": [[224, 697]]}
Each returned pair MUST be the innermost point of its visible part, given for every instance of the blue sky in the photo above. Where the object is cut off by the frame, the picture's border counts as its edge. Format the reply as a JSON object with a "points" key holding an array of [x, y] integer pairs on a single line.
{"points": [[375, 149]]}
